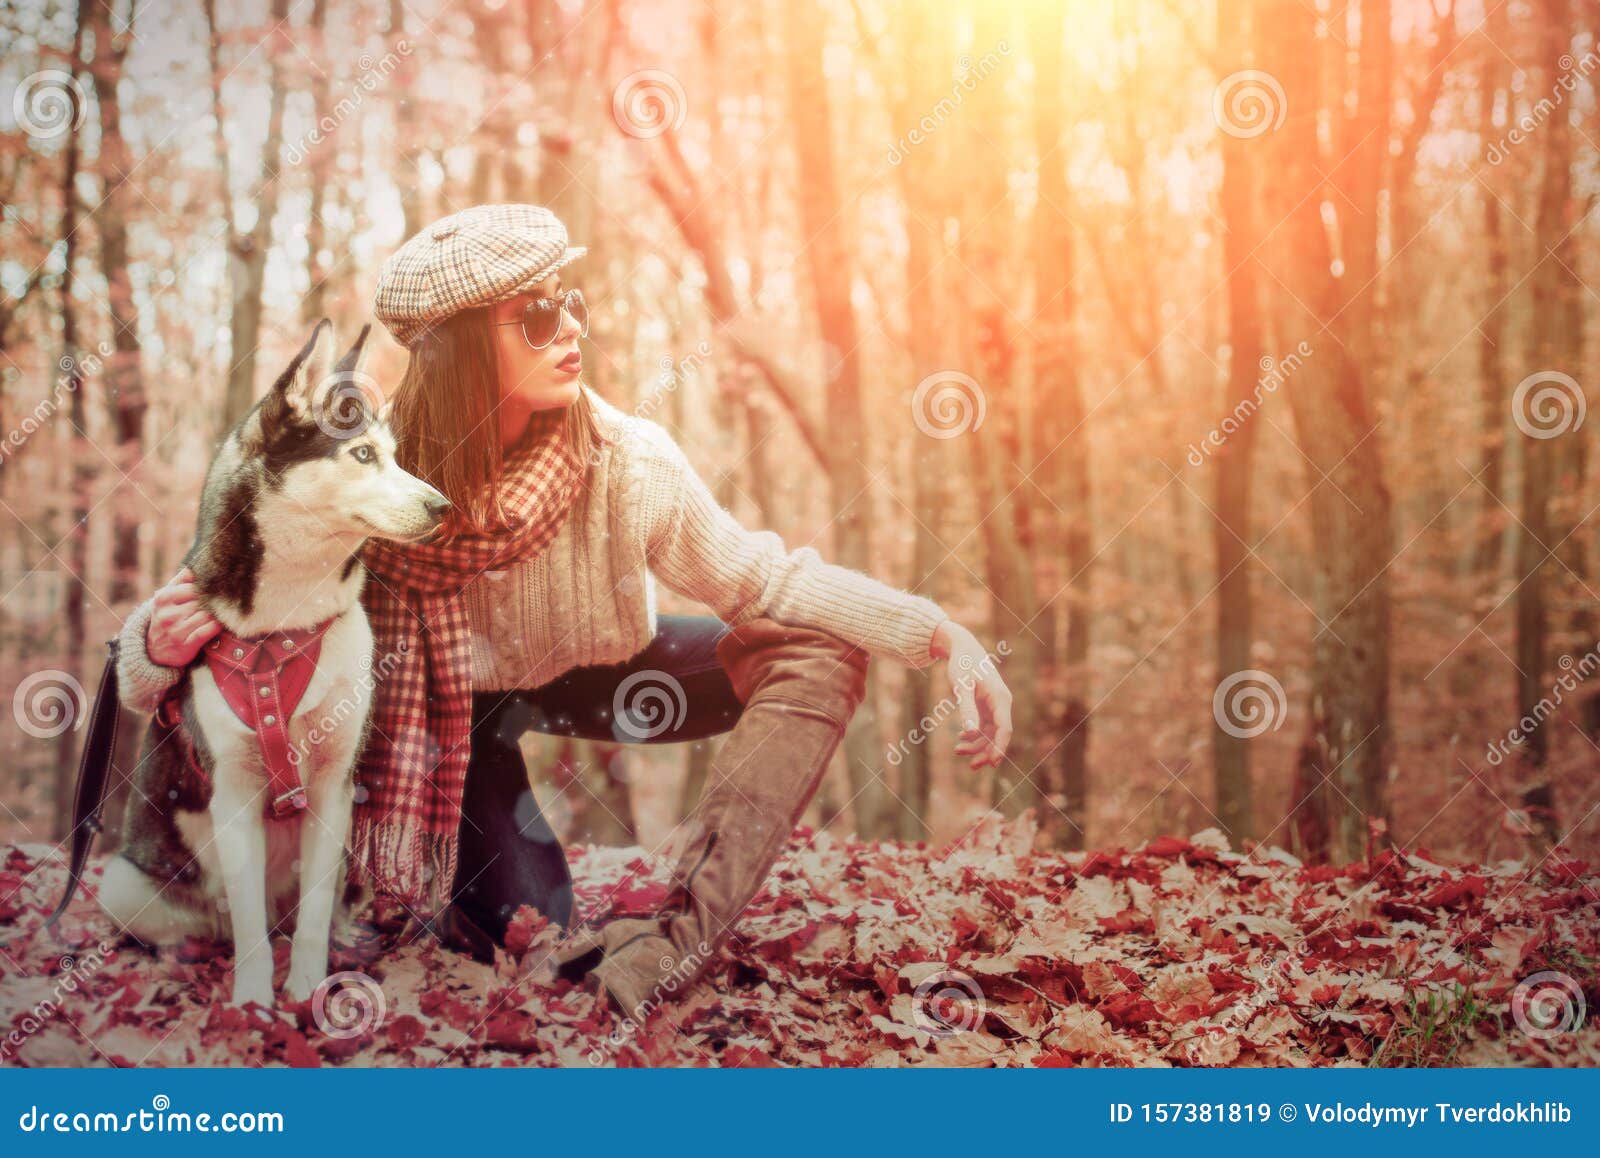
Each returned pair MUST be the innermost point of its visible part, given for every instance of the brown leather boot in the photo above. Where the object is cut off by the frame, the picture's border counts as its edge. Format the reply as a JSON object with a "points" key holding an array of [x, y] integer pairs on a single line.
{"points": [[799, 688]]}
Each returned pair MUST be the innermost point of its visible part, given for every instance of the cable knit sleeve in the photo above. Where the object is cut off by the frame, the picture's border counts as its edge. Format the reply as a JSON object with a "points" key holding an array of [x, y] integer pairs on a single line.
{"points": [[700, 550], [141, 682]]}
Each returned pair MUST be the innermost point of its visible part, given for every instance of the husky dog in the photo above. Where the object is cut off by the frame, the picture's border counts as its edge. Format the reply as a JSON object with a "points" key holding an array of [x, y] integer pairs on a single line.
{"points": [[302, 481]]}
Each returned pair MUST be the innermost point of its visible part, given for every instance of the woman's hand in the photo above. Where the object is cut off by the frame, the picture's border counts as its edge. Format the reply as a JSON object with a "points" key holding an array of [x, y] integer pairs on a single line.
{"points": [[178, 626], [982, 696]]}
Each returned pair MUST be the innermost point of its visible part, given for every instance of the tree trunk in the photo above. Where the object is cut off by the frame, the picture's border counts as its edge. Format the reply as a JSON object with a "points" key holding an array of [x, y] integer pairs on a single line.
{"points": [[1064, 461], [1555, 325], [929, 347], [314, 307], [247, 251], [122, 369], [916, 764], [998, 446], [406, 131], [1350, 504], [498, 173], [81, 472], [1362, 176], [1492, 329], [1232, 530], [831, 265], [701, 226]]}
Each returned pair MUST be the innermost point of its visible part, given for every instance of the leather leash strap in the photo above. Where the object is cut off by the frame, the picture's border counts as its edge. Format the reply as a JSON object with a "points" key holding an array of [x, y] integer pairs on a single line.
{"points": [[94, 772], [262, 680]]}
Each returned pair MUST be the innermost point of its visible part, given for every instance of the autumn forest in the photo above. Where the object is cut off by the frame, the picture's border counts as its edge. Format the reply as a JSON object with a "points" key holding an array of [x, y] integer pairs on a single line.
{"points": [[1223, 365]]}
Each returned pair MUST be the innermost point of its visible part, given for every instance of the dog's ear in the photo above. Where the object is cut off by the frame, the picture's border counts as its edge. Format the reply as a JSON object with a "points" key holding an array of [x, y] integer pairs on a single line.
{"points": [[356, 393], [297, 386], [352, 366], [355, 358]]}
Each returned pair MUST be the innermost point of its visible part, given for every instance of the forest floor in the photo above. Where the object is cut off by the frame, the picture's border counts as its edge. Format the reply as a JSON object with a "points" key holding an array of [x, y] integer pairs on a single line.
{"points": [[1178, 953]]}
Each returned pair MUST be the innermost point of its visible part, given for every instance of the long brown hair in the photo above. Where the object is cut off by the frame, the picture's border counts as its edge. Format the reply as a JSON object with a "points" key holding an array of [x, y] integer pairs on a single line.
{"points": [[445, 425]]}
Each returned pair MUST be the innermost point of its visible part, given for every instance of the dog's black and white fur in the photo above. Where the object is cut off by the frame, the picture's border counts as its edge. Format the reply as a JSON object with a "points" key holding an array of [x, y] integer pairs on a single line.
{"points": [[290, 497]]}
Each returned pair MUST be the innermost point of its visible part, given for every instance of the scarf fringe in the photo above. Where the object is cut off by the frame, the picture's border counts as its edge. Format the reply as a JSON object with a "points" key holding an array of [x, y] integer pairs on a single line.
{"points": [[404, 838], [401, 860]]}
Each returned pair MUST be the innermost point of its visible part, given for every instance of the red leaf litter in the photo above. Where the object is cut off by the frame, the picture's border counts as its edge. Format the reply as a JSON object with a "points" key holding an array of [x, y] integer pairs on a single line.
{"points": [[982, 954]]}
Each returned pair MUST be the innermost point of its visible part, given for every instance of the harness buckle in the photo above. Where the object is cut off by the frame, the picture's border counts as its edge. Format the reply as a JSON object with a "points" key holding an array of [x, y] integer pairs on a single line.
{"points": [[286, 804]]}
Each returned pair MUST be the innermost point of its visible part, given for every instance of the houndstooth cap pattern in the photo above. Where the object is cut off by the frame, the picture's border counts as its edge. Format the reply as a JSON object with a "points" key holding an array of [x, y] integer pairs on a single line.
{"points": [[474, 258]]}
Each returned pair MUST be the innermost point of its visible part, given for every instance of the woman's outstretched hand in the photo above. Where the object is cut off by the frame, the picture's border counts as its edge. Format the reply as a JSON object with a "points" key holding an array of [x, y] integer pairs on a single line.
{"points": [[179, 627], [981, 695]]}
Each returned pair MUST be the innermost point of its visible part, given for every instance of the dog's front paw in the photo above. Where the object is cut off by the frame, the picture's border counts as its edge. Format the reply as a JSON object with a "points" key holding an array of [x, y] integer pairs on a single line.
{"points": [[308, 967], [303, 981], [252, 987]]}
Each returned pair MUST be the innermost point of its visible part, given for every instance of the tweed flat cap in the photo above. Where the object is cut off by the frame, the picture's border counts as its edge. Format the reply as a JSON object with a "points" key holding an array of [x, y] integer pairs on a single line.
{"points": [[477, 257]]}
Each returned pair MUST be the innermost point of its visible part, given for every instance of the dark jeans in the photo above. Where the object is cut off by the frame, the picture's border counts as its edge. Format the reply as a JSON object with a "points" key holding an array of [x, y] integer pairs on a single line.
{"points": [[508, 855]]}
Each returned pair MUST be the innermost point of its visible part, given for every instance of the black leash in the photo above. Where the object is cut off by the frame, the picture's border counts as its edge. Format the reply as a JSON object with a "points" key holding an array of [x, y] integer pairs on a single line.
{"points": [[94, 771]]}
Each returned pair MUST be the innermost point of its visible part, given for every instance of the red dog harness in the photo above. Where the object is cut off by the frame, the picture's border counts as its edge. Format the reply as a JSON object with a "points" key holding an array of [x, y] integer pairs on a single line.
{"points": [[263, 679]]}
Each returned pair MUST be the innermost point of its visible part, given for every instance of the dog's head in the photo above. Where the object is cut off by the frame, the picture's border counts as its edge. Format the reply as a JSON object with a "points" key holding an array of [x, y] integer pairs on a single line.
{"points": [[325, 445]]}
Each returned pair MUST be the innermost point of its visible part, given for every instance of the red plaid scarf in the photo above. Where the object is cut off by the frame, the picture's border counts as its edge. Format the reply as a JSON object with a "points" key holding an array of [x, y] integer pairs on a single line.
{"points": [[414, 767]]}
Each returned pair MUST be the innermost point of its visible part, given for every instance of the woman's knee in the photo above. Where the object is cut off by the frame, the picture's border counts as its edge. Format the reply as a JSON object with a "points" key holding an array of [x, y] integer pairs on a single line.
{"points": [[770, 660]]}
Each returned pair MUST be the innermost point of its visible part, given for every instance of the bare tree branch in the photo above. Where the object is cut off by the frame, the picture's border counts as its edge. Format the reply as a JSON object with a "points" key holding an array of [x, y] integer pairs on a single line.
{"points": [[674, 184], [1446, 37]]}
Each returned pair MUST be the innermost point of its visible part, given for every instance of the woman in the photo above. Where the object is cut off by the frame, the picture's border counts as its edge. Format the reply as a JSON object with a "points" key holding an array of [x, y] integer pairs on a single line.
{"points": [[534, 609]]}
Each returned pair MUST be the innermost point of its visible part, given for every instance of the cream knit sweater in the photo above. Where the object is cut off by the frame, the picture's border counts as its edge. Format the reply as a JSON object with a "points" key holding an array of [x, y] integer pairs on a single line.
{"points": [[589, 597]]}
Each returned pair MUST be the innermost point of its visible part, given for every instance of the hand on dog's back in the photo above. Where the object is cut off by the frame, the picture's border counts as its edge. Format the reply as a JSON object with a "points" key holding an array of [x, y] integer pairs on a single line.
{"points": [[179, 626]]}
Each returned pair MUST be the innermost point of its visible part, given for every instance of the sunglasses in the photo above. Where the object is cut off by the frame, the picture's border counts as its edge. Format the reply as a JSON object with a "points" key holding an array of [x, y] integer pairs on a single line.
{"points": [[541, 320]]}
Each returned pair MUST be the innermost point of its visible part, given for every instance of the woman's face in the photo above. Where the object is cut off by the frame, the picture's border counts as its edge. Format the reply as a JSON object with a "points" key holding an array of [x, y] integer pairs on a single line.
{"points": [[532, 379]]}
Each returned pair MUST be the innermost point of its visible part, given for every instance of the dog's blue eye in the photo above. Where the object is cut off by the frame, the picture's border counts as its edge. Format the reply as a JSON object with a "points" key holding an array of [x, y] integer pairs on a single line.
{"points": [[364, 454]]}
